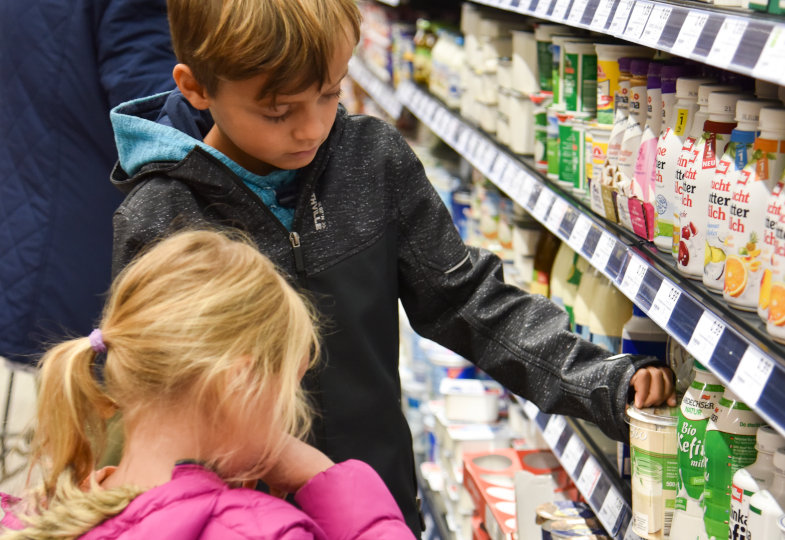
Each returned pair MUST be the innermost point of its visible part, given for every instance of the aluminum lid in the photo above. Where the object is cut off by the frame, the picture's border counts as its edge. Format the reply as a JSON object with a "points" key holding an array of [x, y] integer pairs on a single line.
{"points": [[661, 416]]}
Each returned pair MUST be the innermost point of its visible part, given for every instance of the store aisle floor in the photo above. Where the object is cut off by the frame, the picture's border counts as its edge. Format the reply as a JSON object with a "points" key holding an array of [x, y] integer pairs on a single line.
{"points": [[20, 415]]}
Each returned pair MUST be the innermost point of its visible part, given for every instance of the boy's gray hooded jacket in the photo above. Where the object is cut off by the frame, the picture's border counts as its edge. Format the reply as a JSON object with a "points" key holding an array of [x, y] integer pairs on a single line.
{"points": [[368, 230]]}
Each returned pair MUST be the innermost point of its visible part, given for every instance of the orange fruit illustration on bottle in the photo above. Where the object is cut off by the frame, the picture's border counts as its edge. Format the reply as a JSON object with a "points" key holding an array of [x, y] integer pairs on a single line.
{"points": [[735, 276], [777, 305]]}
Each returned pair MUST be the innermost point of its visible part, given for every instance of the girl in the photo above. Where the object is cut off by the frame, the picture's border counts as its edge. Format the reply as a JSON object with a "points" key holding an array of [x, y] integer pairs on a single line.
{"points": [[201, 347]]}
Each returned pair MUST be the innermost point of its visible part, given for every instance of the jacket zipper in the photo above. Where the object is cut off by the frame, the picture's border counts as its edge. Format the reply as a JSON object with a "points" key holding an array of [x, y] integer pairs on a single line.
{"points": [[299, 264]]}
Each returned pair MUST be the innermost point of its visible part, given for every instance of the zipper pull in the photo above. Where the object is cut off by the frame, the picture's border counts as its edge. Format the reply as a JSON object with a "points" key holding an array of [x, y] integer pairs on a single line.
{"points": [[299, 264]]}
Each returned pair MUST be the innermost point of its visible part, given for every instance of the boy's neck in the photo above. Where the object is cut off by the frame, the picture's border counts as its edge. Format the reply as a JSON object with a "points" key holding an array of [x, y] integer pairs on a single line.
{"points": [[216, 139]]}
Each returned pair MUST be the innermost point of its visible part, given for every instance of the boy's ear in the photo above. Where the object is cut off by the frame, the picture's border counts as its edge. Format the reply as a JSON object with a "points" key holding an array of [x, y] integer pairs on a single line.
{"points": [[194, 92]]}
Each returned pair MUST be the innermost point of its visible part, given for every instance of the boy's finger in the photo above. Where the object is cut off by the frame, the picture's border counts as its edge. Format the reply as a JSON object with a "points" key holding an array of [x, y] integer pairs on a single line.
{"points": [[641, 382]]}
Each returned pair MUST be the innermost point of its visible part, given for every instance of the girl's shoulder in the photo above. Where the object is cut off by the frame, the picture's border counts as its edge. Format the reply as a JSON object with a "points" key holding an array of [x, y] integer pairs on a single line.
{"points": [[9, 507]]}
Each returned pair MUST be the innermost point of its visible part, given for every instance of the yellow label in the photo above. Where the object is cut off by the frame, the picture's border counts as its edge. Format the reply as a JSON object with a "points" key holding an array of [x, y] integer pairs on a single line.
{"points": [[681, 121]]}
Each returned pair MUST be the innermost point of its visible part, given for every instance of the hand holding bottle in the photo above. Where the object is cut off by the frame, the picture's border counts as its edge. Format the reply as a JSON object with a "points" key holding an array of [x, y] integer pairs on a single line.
{"points": [[653, 385]]}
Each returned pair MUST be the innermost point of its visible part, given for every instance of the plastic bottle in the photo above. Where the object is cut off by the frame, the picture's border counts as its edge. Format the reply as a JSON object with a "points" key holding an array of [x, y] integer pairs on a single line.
{"points": [[424, 40], [641, 335], [584, 298], [610, 309], [608, 74], [688, 155], [619, 122], [543, 34], [565, 278], [697, 405], [557, 47], [775, 303], [729, 446], [543, 263], [669, 144], [753, 478], [767, 505], [733, 160], [745, 249], [773, 239]]}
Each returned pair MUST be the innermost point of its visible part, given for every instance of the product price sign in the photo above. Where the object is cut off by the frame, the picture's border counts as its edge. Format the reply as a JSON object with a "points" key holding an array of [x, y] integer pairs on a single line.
{"points": [[463, 141], [488, 156], [726, 42], [520, 188], [577, 11], [560, 10], [542, 8], [631, 534], [553, 430], [663, 304], [620, 17], [633, 277], [602, 252], [572, 454], [544, 202], [429, 110], [579, 232], [601, 15], [751, 375], [471, 148], [705, 337], [772, 57], [588, 477], [556, 215], [638, 19], [531, 410], [690, 31], [610, 510], [656, 24], [499, 171]]}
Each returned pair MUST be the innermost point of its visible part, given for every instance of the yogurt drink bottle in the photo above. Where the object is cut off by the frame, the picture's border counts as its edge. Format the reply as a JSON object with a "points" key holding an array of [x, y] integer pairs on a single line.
{"points": [[584, 297], [565, 278], [745, 247], [729, 446], [607, 317], [619, 122], [775, 302], [767, 505], [696, 183], [753, 478], [688, 155], [669, 144], [608, 74], [697, 405], [733, 160]]}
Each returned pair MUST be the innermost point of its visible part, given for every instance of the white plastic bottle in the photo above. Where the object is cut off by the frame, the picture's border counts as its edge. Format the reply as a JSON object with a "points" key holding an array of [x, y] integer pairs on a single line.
{"points": [[733, 160], [565, 278], [753, 478], [610, 309], [768, 505], [687, 152], [641, 335], [584, 298], [669, 144], [696, 182], [620, 119]]}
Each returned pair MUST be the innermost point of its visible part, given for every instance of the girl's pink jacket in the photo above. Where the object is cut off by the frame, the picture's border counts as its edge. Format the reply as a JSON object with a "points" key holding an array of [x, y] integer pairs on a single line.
{"points": [[348, 500]]}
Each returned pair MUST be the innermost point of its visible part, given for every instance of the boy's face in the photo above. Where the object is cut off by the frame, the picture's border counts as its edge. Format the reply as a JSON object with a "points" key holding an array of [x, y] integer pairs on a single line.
{"points": [[262, 138]]}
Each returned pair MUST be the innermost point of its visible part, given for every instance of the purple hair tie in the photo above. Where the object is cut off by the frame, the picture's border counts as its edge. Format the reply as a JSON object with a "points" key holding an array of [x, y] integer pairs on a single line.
{"points": [[97, 341]]}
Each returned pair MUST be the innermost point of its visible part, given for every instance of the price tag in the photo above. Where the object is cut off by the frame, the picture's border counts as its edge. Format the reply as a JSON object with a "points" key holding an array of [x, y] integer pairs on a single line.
{"points": [[430, 110], [560, 10], [488, 156], [579, 232], [499, 170], [452, 129], [657, 20], [705, 337], [663, 304], [638, 20], [631, 534], [588, 478], [553, 430], [610, 510], [544, 202], [572, 454], [690, 32], [633, 277], [471, 148], [576, 13], [602, 252], [620, 17], [556, 215], [463, 141], [772, 57], [518, 189], [542, 8], [601, 15], [531, 410], [751, 375], [726, 42]]}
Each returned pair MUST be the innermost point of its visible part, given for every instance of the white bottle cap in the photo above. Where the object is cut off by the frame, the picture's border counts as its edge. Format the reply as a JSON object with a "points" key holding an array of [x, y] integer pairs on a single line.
{"points": [[748, 112], [705, 89], [768, 439], [779, 459], [772, 119], [765, 89], [687, 87], [722, 105]]}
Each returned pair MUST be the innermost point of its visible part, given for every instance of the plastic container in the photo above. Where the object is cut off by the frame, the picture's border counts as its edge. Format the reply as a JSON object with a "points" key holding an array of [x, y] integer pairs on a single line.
{"points": [[641, 335], [653, 449], [445, 364], [584, 299], [552, 142], [768, 505], [775, 302], [543, 34], [696, 182], [610, 310], [733, 160], [608, 75], [565, 278], [580, 77], [600, 135], [572, 154], [471, 400], [620, 119], [524, 62], [753, 478], [729, 446], [559, 64], [522, 136], [696, 408], [745, 247], [543, 263], [669, 144]]}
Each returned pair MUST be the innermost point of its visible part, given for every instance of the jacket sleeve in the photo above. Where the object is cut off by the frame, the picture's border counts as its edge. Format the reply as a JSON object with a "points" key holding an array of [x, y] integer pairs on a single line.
{"points": [[456, 296], [349, 500], [134, 49]]}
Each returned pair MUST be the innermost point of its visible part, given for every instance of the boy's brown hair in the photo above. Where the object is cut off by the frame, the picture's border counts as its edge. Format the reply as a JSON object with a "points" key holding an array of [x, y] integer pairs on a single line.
{"points": [[292, 41]]}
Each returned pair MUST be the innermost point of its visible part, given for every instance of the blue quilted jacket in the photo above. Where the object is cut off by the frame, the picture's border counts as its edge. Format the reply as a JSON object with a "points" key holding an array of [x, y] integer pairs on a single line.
{"points": [[63, 65]]}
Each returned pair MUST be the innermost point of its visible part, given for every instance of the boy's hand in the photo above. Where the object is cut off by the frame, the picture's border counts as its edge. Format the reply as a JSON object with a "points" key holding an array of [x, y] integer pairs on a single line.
{"points": [[653, 385]]}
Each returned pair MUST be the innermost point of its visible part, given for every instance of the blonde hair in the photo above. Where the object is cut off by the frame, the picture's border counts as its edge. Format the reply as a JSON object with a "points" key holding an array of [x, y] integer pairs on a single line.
{"points": [[290, 40], [201, 316]]}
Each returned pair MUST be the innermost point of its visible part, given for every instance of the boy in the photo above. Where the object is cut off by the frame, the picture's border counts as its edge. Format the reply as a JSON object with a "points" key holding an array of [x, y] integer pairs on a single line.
{"points": [[342, 204]]}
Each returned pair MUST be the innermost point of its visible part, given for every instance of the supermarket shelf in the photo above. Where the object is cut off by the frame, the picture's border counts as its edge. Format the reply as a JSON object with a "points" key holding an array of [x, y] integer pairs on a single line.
{"points": [[740, 354], [598, 485], [381, 93], [751, 44]]}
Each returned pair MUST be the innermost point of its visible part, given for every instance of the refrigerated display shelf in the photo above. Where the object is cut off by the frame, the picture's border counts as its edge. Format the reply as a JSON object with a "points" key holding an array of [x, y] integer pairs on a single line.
{"points": [[751, 44]]}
